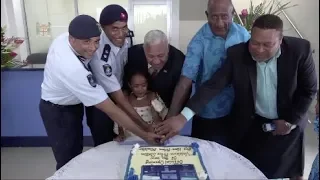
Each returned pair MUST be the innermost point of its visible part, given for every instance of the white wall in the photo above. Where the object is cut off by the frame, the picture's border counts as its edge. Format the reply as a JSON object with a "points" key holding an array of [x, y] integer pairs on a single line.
{"points": [[192, 18], [4, 17], [306, 19], [244, 4], [187, 30]]}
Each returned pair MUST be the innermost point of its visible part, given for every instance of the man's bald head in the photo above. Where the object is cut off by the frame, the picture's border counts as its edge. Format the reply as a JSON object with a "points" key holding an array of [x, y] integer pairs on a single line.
{"points": [[219, 14]]}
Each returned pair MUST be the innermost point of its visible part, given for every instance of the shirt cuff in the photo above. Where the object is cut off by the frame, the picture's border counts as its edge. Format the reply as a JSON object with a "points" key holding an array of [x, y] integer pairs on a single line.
{"points": [[187, 113]]}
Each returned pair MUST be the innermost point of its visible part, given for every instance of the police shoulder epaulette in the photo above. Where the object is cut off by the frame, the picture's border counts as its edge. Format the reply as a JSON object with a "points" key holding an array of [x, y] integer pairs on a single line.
{"points": [[105, 53]]}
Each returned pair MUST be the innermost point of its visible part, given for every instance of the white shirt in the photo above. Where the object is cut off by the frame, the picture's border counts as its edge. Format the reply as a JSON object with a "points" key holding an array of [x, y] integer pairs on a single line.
{"points": [[67, 80], [108, 64]]}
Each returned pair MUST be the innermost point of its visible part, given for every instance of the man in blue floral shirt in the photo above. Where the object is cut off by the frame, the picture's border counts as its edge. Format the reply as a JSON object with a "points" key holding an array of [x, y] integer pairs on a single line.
{"points": [[205, 55]]}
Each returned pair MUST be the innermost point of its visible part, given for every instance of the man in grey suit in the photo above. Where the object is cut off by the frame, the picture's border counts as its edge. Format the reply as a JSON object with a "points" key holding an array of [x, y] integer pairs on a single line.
{"points": [[274, 78]]}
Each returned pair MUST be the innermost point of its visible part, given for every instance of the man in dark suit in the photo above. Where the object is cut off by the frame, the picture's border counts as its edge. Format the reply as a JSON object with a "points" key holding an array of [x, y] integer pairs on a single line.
{"points": [[161, 60], [274, 78]]}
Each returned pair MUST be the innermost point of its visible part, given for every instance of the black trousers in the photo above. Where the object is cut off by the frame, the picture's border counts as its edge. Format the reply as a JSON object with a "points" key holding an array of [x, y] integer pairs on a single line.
{"points": [[275, 156], [101, 126], [211, 129], [63, 125]]}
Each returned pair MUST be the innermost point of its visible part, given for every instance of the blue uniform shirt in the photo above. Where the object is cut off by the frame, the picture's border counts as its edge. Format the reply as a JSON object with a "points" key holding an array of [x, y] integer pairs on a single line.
{"points": [[205, 55]]}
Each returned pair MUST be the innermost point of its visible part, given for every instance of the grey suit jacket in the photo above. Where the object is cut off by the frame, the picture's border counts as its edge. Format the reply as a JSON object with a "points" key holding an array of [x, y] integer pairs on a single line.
{"points": [[297, 83]]}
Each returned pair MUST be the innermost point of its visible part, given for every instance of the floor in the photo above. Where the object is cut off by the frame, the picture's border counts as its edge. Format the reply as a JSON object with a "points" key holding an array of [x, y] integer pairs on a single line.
{"points": [[39, 163]]}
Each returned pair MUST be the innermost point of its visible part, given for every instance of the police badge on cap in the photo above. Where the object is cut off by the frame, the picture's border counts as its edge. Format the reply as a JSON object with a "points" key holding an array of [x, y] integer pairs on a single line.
{"points": [[107, 70], [123, 17], [92, 80]]}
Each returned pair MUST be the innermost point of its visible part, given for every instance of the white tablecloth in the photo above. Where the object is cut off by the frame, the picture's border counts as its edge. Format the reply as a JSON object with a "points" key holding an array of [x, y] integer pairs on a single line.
{"points": [[109, 161]]}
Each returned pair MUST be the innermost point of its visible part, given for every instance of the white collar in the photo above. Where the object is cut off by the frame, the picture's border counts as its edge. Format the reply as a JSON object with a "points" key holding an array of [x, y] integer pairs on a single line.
{"points": [[74, 51], [85, 60]]}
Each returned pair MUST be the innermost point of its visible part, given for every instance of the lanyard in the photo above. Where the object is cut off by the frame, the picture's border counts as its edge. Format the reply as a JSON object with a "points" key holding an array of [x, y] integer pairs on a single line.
{"points": [[82, 59]]}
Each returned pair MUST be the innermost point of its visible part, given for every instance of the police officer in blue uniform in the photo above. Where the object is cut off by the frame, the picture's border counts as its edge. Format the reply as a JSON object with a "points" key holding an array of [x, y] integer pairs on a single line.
{"points": [[107, 66], [69, 83]]}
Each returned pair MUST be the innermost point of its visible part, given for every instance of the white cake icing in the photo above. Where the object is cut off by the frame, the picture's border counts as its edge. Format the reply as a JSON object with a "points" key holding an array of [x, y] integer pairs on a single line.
{"points": [[202, 175], [135, 148]]}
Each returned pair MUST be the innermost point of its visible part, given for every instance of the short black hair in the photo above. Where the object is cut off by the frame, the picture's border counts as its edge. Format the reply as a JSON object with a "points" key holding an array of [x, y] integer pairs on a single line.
{"points": [[137, 71], [269, 21]]}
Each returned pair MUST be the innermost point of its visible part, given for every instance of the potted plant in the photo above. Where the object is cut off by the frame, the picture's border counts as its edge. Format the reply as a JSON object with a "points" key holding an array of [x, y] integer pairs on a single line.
{"points": [[266, 7], [8, 45]]}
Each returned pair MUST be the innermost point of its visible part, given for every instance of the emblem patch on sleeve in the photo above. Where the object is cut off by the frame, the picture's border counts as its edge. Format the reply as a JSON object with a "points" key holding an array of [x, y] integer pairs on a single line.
{"points": [[105, 53], [107, 70], [92, 81]]}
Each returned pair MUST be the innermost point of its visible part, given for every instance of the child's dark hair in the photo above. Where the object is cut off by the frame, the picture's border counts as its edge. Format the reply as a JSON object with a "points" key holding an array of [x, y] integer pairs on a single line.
{"points": [[134, 72]]}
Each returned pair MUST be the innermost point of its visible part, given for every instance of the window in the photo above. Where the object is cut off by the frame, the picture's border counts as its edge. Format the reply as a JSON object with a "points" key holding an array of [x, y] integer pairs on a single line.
{"points": [[94, 7], [47, 19], [148, 17]]}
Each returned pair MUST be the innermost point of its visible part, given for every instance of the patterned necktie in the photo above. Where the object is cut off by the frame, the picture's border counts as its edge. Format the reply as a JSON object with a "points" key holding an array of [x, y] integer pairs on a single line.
{"points": [[154, 74], [152, 71]]}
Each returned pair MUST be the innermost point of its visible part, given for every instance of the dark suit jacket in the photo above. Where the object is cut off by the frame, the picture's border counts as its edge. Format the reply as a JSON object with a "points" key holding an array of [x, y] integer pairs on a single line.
{"points": [[166, 80], [297, 83]]}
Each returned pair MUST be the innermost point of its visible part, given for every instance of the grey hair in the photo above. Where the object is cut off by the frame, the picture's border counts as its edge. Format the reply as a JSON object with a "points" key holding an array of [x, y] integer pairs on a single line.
{"points": [[211, 2], [155, 37]]}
